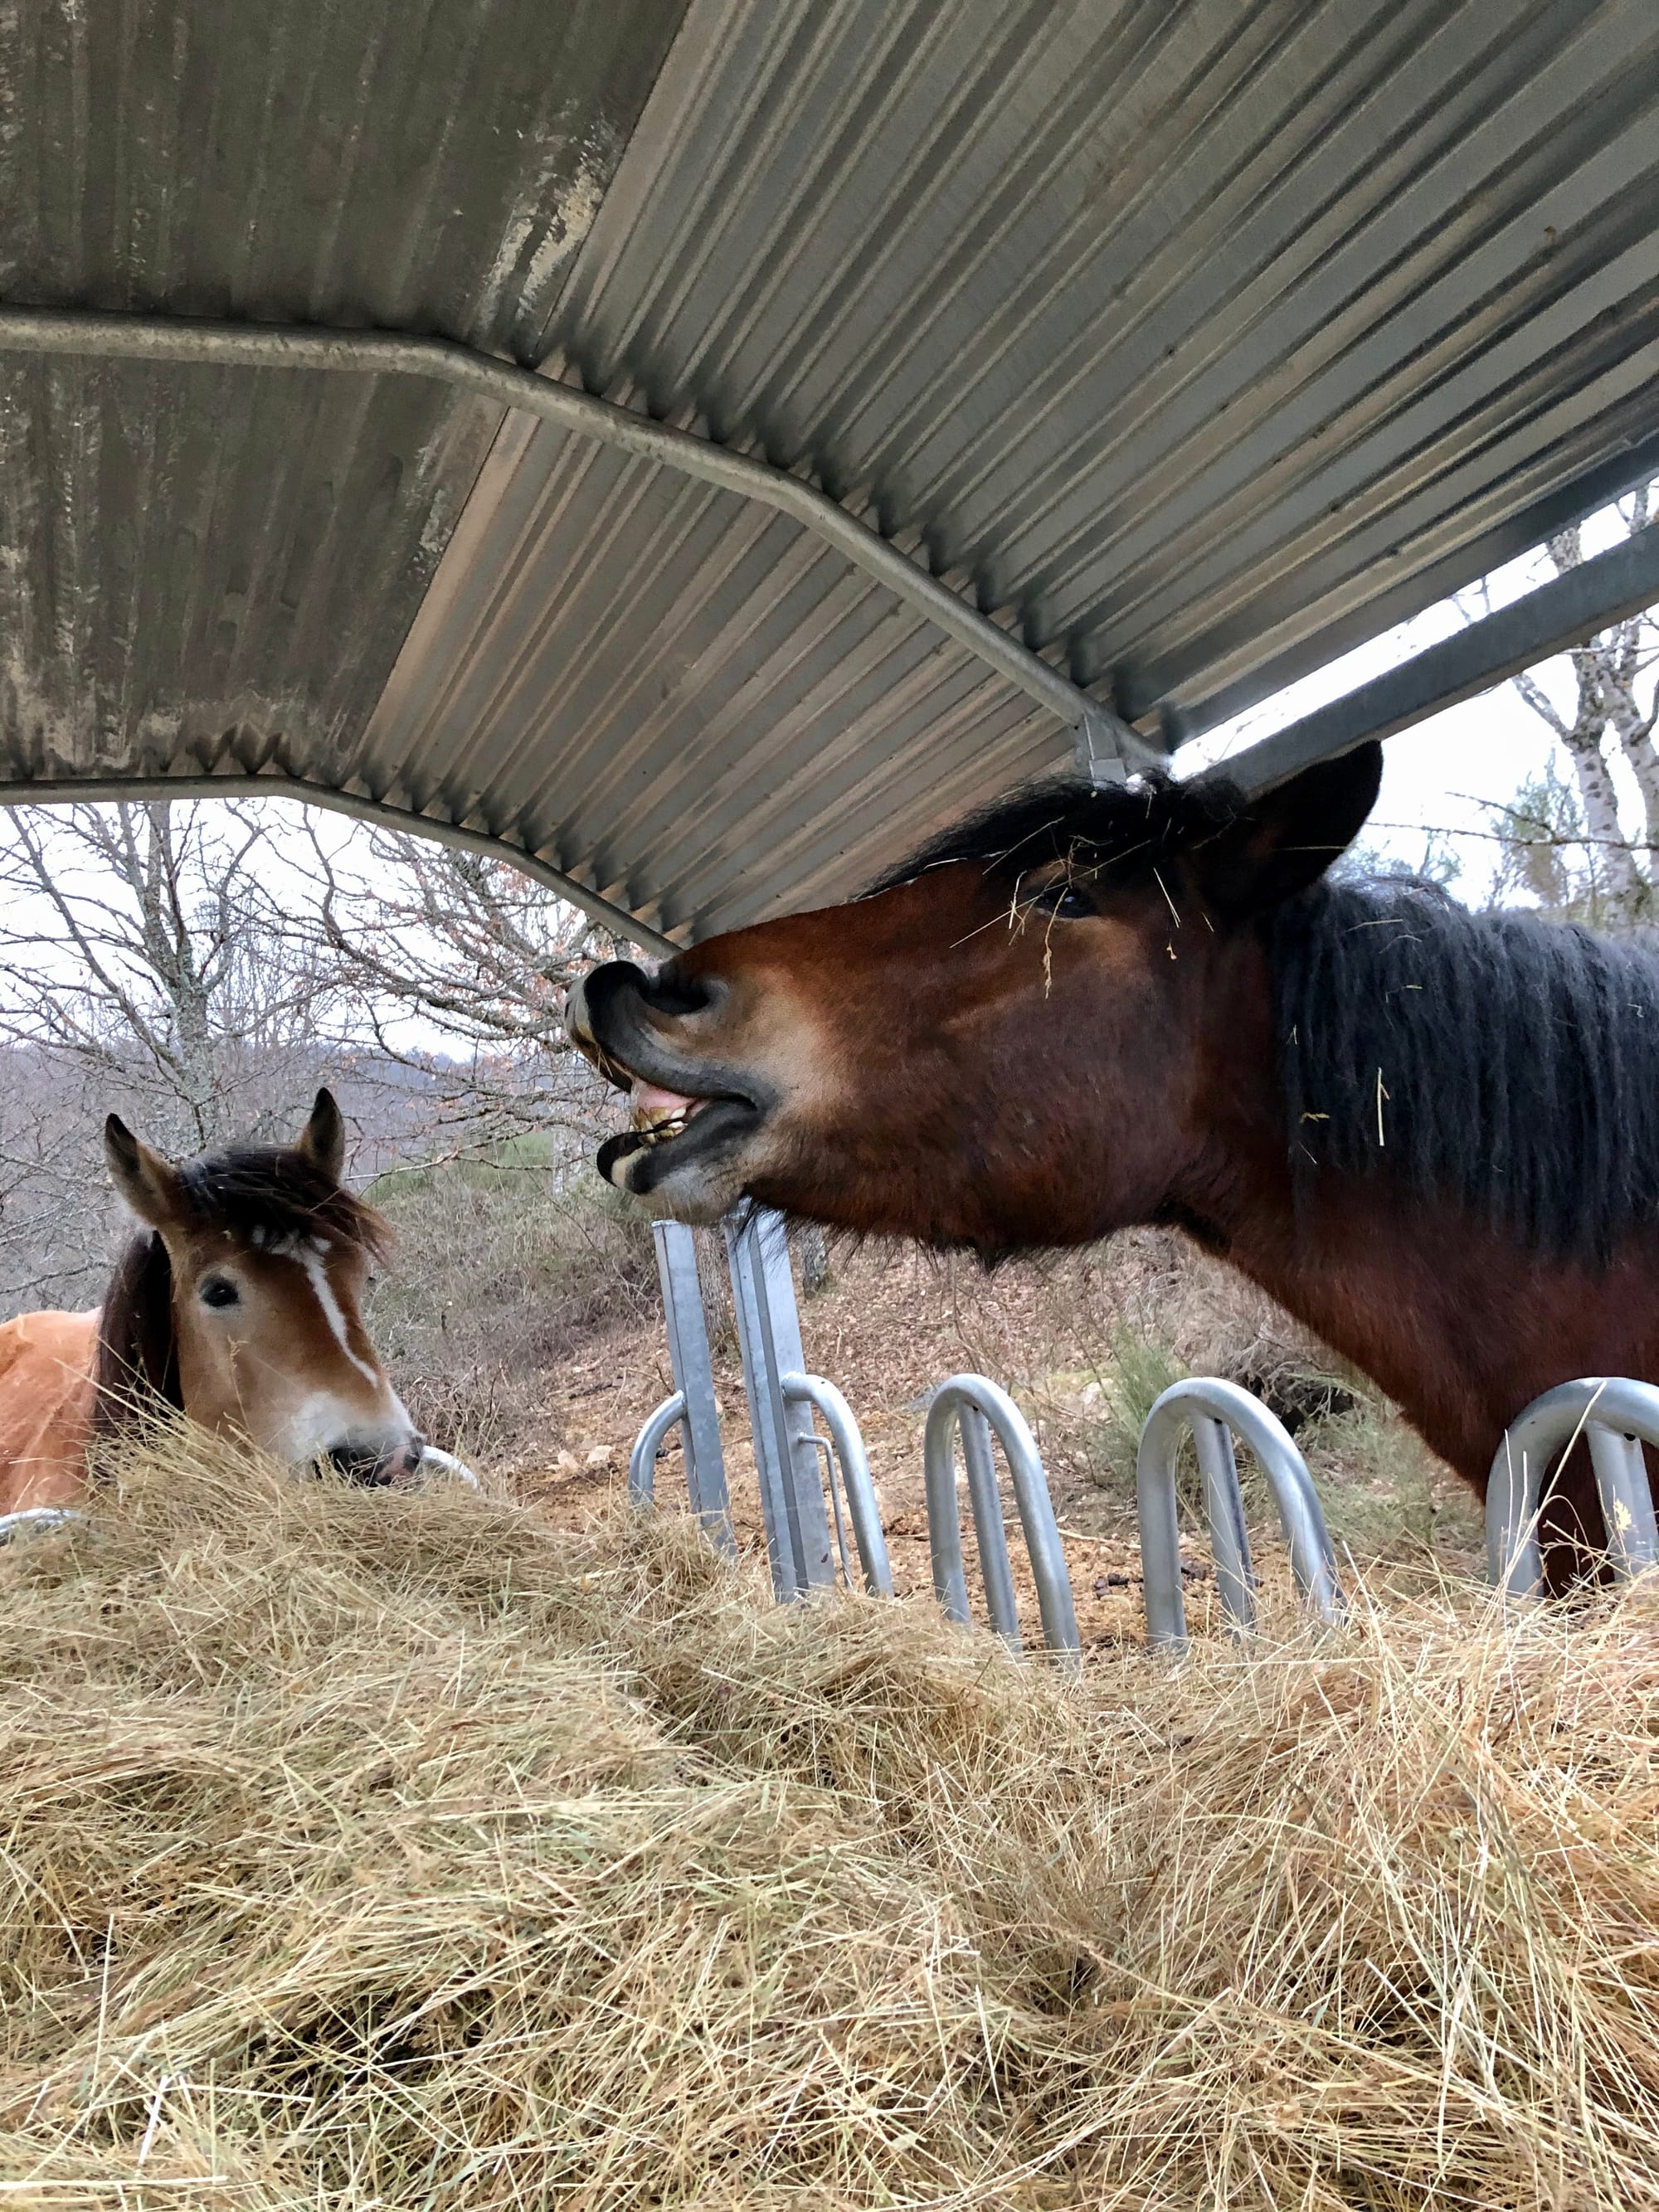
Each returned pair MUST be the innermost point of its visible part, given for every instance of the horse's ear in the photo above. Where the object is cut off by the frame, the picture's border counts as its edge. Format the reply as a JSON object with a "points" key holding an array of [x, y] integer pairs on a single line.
{"points": [[323, 1139], [148, 1183], [1277, 844]]}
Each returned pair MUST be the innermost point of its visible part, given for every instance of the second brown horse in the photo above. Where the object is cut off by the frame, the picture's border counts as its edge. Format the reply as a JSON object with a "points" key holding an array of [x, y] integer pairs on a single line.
{"points": [[236, 1303], [1432, 1136]]}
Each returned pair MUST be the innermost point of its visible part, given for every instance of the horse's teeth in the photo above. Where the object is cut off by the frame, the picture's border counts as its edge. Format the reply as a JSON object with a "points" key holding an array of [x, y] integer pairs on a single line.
{"points": [[654, 1132]]}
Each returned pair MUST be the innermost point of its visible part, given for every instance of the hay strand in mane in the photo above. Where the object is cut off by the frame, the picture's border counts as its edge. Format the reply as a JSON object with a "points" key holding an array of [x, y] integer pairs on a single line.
{"points": [[1519, 1058]]}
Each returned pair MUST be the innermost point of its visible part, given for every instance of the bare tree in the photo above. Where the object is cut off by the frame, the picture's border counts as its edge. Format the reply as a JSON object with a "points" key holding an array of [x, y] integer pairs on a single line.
{"points": [[457, 964], [144, 968], [141, 946], [1613, 879]]}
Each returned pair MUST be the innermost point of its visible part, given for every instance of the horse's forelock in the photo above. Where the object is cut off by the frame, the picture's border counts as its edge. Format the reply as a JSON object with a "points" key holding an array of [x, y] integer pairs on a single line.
{"points": [[1095, 827], [273, 1193]]}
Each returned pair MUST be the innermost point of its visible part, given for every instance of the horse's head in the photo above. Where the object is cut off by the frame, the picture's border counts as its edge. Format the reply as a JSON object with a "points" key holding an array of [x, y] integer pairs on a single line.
{"points": [[241, 1305], [1003, 1045]]}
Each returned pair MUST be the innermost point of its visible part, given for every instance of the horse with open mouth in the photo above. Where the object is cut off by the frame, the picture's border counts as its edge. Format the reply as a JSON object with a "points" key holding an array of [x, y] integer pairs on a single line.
{"points": [[1432, 1136], [238, 1304]]}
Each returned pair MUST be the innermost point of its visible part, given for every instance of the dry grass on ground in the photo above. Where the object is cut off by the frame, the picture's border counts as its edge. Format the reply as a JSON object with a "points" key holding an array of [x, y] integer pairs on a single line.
{"points": [[367, 1850]]}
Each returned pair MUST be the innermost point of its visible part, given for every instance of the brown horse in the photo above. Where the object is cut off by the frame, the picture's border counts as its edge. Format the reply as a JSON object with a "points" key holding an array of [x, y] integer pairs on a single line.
{"points": [[237, 1304], [1433, 1136]]}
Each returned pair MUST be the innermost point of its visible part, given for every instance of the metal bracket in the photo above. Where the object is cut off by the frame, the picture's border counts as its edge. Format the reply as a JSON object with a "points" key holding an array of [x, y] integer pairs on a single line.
{"points": [[1108, 750]]}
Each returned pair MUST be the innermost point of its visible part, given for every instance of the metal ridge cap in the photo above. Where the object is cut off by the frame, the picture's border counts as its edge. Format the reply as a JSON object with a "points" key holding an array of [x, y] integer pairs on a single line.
{"points": [[73, 332]]}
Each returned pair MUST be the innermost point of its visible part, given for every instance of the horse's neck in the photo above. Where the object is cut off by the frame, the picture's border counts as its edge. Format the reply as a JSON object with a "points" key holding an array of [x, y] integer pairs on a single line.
{"points": [[1460, 1326]]}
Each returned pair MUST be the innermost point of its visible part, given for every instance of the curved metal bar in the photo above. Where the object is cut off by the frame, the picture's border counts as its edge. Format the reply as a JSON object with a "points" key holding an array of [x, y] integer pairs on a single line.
{"points": [[36, 1517], [855, 1477], [1183, 1405], [995, 1567], [72, 790], [826, 1452], [975, 1393], [443, 1463], [642, 1459], [1101, 738], [1224, 1511], [1614, 1412]]}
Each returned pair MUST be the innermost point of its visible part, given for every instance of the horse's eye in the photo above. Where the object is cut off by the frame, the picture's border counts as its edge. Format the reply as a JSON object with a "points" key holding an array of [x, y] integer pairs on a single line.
{"points": [[217, 1291], [1063, 900]]}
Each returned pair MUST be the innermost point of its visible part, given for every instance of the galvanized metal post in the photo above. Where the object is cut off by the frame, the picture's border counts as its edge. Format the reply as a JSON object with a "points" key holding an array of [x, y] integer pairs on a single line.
{"points": [[694, 1381], [798, 1539]]}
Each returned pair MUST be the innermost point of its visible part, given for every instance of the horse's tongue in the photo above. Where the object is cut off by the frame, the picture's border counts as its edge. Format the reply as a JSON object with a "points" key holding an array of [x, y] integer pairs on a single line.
{"points": [[652, 1103]]}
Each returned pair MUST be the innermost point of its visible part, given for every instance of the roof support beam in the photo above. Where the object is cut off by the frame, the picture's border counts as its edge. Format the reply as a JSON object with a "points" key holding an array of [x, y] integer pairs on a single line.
{"points": [[1106, 746], [1565, 611], [148, 790]]}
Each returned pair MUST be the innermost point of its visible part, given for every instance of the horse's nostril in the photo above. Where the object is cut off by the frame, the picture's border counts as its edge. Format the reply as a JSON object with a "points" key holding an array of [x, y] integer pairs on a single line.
{"points": [[671, 992], [362, 1464]]}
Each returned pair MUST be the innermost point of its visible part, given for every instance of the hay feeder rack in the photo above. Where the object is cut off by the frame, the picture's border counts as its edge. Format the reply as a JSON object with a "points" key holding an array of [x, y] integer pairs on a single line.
{"points": [[1617, 1417], [1215, 1412]]}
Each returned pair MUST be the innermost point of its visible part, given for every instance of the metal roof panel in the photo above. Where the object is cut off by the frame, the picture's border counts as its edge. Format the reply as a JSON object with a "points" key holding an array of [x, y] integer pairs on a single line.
{"points": [[1192, 343]]}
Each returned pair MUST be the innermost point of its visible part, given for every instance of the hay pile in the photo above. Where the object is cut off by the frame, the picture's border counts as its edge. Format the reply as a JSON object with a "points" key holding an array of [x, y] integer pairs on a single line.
{"points": [[364, 1850]]}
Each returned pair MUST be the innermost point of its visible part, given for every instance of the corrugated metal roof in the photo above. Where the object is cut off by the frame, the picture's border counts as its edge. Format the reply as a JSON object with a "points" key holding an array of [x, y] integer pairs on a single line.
{"points": [[681, 698], [1196, 341], [201, 566]]}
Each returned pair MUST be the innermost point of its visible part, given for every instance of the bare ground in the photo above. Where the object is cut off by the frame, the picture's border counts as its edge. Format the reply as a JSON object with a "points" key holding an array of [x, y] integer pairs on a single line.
{"points": [[1073, 1340]]}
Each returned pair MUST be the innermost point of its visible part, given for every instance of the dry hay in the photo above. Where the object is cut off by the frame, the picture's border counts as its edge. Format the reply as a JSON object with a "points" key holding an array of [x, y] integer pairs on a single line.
{"points": [[367, 1850]]}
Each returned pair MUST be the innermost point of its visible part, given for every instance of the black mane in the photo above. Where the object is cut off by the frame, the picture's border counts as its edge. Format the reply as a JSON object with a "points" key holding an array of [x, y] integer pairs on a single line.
{"points": [[1515, 1059], [261, 1194]]}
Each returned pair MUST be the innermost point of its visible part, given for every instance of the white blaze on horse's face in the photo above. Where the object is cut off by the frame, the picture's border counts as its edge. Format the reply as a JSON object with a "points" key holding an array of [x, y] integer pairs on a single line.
{"points": [[267, 1325], [271, 1344]]}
